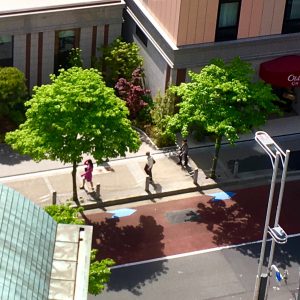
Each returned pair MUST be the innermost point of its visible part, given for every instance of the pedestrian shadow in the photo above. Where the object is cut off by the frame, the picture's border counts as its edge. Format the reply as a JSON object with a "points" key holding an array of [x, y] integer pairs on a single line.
{"points": [[188, 168], [92, 196], [127, 243], [107, 166], [97, 198], [156, 186]]}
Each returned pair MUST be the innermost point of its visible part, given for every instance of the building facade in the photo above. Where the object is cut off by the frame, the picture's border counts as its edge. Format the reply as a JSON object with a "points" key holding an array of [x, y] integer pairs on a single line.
{"points": [[176, 36], [35, 36], [39, 258]]}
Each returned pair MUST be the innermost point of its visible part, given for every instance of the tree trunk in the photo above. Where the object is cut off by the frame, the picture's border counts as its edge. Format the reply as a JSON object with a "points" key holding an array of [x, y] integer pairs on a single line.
{"points": [[75, 196], [215, 159]]}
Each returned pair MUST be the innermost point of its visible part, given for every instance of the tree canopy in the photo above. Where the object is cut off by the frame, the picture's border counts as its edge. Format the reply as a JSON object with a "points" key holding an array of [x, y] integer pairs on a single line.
{"points": [[74, 115], [224, 100]]}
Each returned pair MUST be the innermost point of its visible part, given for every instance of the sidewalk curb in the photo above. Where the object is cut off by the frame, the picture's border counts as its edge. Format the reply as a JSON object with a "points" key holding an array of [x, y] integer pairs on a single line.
{"points": [[257, 180]]}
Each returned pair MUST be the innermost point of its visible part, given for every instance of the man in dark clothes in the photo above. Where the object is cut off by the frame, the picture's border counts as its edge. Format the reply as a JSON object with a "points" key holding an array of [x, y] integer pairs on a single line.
{"points": [[183, 153]]}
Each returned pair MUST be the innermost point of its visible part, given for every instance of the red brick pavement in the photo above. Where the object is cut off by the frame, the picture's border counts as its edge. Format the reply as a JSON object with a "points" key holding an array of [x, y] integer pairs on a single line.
{"points": [[148, 233]]}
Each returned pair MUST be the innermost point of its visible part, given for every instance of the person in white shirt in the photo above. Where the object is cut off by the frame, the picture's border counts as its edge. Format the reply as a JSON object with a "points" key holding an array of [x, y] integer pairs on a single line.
{"points": [[149, 165]]}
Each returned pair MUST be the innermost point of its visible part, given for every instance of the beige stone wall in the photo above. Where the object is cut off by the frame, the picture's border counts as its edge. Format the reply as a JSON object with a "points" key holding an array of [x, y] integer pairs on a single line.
{"points": [[188, 22], [261, 17], [166, 13], [19, 25]]}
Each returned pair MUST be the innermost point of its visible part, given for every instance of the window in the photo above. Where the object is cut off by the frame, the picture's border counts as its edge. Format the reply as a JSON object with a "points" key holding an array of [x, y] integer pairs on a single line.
{"points": [[65, 40], [291, 22], [141, 35], [228, 20], [6, 51]]}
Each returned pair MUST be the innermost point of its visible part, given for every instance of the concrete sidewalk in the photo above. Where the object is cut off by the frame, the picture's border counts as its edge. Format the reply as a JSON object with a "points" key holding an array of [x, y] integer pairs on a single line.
{"points": [[120, 181], [123, 180]]}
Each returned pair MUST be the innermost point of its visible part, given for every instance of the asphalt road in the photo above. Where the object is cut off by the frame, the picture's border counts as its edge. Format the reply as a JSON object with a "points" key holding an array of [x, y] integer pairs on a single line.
{"points": [[223, 274]]}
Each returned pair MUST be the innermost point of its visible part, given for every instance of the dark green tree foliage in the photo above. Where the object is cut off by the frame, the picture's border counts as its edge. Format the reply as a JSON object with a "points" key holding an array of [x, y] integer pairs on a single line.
{"points": [[74, 115], [13, 92], [224, 99], [119, 60]]}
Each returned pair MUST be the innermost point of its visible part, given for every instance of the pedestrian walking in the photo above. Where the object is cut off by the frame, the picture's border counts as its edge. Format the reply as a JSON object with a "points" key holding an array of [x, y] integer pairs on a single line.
{"points": [[88, 174], [149, 165], [183, 153]]}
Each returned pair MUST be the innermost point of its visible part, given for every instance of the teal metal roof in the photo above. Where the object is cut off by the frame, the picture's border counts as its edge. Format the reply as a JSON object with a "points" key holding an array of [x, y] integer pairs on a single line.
{"points": [[27, 239]]}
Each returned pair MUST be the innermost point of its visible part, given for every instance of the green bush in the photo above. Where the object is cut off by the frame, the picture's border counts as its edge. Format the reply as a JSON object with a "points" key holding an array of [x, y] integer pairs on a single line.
{"points": [[144, 116], [161, 138], [99, 270], [119, 60], [65, 214], [99, 273], [13, 94], [162, 109]]}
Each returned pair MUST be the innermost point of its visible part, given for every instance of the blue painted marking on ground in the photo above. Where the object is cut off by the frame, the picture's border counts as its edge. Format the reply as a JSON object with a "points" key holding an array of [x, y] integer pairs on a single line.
{"points": [[122, 212], [222, 196]]}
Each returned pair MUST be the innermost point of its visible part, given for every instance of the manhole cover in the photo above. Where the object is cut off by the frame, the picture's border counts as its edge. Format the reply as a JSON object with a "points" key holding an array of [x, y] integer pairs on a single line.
{"points": [[182, 216]]}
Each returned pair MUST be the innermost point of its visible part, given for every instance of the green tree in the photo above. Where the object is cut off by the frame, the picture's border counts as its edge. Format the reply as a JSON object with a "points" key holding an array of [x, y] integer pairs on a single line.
{"points": [[224, 99], [99, 273], [65, 214], [99, 270], [13, 92], [119, 60], [74, 115]]}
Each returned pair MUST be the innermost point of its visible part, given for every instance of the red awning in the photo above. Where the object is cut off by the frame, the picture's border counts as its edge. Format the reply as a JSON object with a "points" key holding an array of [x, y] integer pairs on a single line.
{"points": [[282, 72]]}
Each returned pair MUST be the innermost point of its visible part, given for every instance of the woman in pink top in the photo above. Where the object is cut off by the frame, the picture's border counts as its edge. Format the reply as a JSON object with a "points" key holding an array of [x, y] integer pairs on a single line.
{"points": [[88, 174]]}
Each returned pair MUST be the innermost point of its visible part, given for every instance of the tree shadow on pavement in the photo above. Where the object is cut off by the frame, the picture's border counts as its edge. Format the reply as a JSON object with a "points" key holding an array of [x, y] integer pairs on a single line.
{"points": [[251, 163], [242, 219], [128, 243], [262, 162], [10, 157]]}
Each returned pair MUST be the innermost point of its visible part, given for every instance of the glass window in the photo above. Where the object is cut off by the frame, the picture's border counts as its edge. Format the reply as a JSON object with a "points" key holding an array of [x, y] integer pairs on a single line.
{"points": [[65, 40], [291, 22], [228, 20], [295, 10], [26, 251], [6, 51]]}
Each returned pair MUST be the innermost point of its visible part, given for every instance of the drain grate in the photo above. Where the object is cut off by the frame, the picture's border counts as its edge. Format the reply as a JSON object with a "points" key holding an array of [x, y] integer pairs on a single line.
{"points": [[182, 216]]}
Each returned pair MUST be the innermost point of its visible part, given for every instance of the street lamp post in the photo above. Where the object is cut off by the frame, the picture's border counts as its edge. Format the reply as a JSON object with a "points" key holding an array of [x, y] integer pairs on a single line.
{"points": [[276, 223], [275, 153]]}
